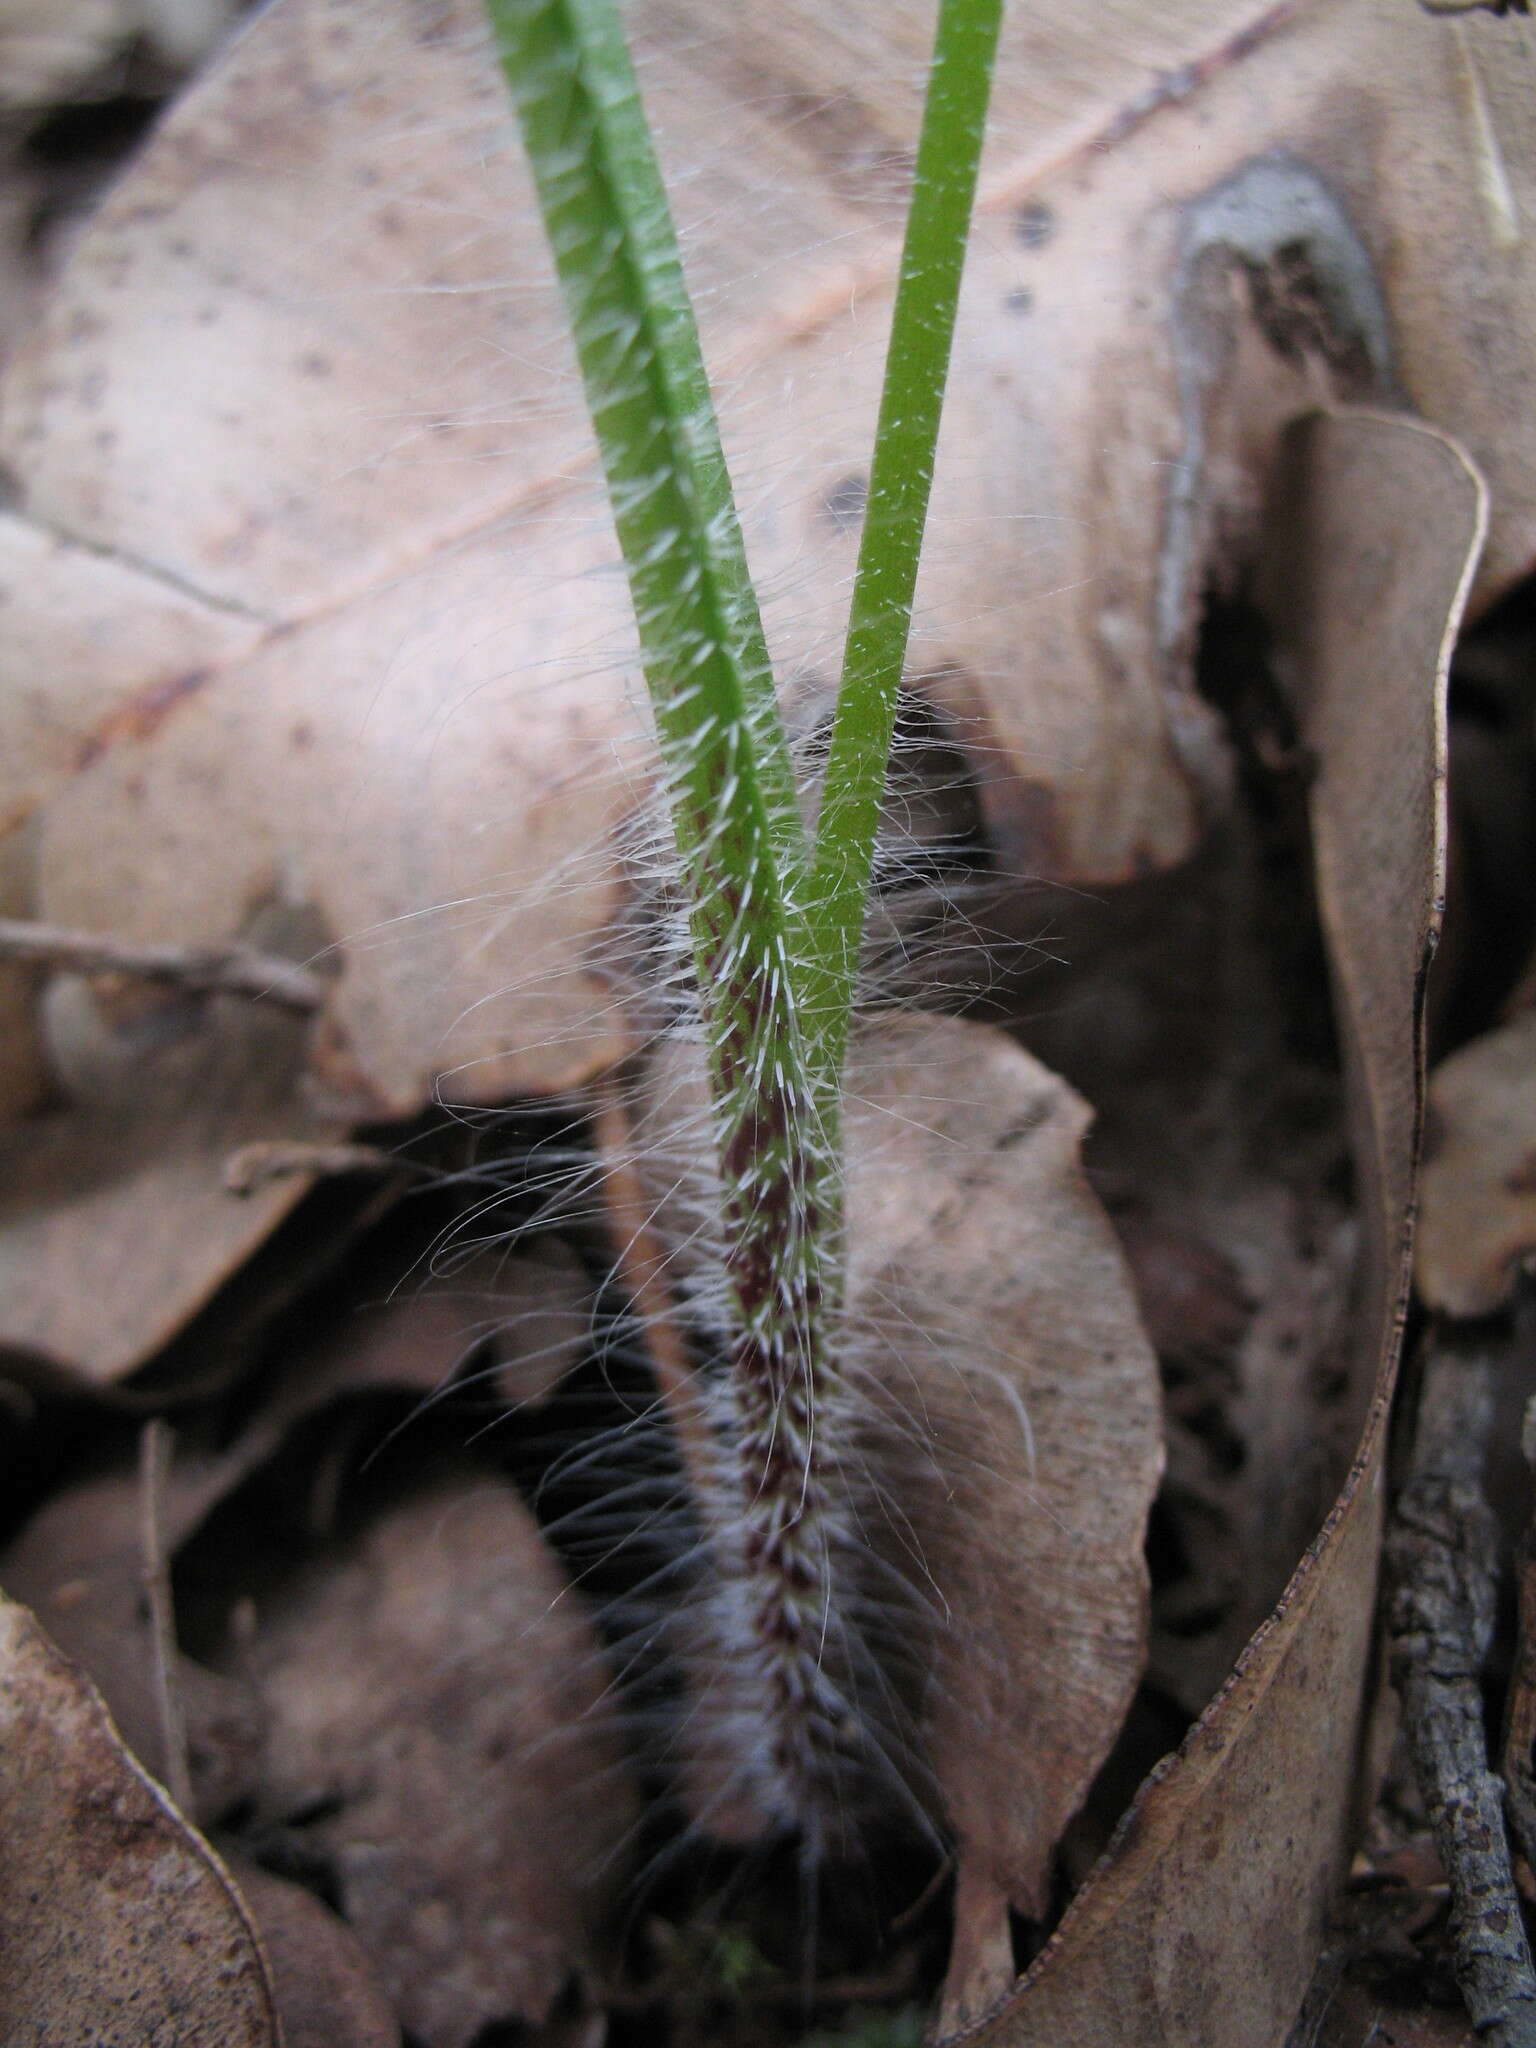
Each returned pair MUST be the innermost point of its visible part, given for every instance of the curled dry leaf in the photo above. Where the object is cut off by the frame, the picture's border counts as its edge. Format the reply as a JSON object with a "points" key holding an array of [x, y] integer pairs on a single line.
{"points": [[437, 1698], [116, 1921], [996, 1443], [1204, 1922], [1477, 1212]]}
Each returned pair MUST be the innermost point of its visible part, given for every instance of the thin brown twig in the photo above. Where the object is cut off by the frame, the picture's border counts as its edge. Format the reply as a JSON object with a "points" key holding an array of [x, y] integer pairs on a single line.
{"points": [[269, 1159], [156, 1443], [202, 970], [1441, 1555]]}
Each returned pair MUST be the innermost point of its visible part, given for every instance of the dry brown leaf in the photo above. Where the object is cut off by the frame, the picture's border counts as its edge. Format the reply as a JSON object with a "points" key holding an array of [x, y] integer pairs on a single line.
{"points": [[312, 589], [79, 1561], [375, 495], [1477, 1211], [984, 1275], [47, 47], [999, 1434], [1205, 1922], [327, 1992], [114, 1224], [116, 1921], [323, 757], [437, 1697], [80, 1565]]}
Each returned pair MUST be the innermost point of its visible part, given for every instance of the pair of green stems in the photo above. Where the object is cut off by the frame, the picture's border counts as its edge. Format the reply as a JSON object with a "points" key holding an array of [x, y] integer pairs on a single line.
{"points": [[775, 915]]}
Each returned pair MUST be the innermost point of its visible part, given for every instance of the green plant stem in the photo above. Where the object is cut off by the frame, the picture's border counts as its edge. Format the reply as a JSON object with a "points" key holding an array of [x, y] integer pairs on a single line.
{"points": [[615, 250], [901, 477], [739, 834], [775, 939]]}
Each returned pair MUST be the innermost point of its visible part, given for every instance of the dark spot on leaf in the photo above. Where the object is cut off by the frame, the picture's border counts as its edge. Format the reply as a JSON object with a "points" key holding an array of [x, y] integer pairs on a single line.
{"points": [[1034, 223], [844, 501]]}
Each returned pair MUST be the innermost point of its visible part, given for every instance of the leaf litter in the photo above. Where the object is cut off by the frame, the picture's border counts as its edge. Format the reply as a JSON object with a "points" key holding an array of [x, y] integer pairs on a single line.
{"points": [[1240, 1232]]}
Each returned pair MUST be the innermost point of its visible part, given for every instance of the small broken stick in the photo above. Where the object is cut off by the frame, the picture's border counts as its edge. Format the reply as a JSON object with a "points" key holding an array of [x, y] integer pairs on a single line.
{"points": [[1441, 1556], [269, 1159], [156, 1445], [202, 970]]}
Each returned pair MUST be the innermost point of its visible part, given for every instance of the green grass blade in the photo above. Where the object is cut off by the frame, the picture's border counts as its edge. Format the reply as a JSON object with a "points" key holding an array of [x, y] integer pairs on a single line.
{"points": [[740, 838], [916, 369], [615, 249]]}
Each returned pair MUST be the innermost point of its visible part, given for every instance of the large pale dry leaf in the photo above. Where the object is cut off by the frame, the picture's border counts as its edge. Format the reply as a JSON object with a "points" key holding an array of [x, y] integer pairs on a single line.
{"points": [[993, 1448], [280, 388], [437, 1698], [311, 594], [310, 590], [1204, 1923], [1477, 1215], [116, 1922]]}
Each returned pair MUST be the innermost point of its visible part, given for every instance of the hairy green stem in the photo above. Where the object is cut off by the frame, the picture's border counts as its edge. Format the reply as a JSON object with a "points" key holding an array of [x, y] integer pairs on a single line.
{"points": [[738, 828], [775, 937], [901, 477]]}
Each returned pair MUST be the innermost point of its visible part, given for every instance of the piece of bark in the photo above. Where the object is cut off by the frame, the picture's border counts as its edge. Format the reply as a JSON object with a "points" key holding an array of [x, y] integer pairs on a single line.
{"points": [[1442, 1554], [1519, 1745]]}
